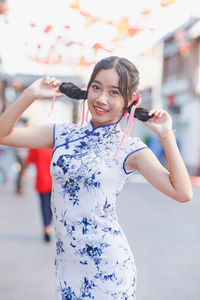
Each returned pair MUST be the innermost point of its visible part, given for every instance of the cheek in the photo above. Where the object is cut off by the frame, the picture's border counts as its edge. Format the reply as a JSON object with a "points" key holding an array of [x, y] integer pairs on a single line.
{"points": [[121, 106], [90, 103], [89, 98]]}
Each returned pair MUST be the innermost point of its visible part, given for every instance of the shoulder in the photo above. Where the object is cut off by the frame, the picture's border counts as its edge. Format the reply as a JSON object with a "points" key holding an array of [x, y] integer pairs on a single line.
{"points": [[131, 152], [133, 144], [63, 131], [64, 127]]}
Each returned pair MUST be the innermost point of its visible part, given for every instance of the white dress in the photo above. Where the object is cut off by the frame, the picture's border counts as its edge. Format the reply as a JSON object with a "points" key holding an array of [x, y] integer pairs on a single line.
{"points": [[93, 260]]}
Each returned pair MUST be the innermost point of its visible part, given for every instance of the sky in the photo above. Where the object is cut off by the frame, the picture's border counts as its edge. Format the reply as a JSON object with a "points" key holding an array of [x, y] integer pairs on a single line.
{"points": [[57, 36]]}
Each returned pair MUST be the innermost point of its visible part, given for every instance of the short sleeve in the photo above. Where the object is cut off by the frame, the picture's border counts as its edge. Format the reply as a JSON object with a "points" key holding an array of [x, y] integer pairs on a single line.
{"points": [[135, 144]]}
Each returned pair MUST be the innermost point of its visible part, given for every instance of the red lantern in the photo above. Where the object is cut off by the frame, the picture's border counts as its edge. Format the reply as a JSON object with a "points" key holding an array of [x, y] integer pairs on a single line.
{"points": [[145, 12], [165, 3], [48, 28]]}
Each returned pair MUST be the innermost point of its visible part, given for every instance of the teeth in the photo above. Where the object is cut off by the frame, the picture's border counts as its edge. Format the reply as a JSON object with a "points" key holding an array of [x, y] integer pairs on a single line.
{"points": [[100, 109]]}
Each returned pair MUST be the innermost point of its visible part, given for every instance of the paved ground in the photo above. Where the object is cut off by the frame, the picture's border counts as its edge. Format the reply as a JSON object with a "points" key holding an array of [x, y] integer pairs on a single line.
{"points": [[163, 234]]}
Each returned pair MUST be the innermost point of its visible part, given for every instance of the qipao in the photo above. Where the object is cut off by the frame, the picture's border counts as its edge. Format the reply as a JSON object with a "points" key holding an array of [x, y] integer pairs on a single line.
{"points": [[93, 257]]}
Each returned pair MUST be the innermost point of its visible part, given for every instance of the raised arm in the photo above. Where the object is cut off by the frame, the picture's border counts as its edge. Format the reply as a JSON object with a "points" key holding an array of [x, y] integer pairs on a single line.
{"points": [[31, 137], [175, 183]]}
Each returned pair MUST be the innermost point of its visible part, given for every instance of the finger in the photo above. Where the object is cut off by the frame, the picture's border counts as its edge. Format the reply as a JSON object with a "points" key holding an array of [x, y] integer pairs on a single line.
{"points": [[159, 114], [59, 94], [56, 83], [49, 80], [46, 80], [52, 79], [151, 112], [156, 113]]}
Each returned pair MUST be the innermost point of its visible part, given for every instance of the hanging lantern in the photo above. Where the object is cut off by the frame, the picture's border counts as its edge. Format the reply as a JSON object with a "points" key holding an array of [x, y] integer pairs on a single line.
{"points": [[67, 26], [48, 29], [132, 31], [165, 3], [145, 12]]}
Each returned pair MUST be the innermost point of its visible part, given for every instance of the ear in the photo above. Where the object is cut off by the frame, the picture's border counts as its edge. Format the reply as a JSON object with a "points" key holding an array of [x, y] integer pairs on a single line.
{"points": [[131, 99]]}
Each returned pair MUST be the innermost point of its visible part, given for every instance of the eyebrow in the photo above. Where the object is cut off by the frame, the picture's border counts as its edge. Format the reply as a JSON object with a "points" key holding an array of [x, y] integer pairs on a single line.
{"points": [[113, 86]]}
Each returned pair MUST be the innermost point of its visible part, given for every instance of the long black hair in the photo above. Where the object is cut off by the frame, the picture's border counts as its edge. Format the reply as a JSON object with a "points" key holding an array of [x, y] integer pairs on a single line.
{"points": [[128, 84]]}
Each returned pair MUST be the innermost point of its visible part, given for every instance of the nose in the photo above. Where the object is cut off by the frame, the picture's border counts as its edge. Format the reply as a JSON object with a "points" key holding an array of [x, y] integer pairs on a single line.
{"points": [[102, 98]]}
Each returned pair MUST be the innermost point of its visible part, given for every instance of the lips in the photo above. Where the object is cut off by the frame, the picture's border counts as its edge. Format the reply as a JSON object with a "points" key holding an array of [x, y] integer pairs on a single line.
{"points": [[100, 109]]}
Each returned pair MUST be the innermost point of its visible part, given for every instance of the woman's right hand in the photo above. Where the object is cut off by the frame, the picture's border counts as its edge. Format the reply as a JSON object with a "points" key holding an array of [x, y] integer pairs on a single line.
{"points": [[44, 88]]}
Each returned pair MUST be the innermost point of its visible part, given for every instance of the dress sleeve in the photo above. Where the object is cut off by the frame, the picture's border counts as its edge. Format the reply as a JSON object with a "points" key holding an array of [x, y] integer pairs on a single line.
{"points": [[136, 144]]}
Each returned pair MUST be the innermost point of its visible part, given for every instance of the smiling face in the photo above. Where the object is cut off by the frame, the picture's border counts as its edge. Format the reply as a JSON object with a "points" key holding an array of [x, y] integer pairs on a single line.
{"points": [[105, 101]]}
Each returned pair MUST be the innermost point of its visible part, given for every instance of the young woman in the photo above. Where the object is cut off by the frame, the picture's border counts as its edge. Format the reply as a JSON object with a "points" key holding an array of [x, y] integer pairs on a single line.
{"points": [[89, 167]]}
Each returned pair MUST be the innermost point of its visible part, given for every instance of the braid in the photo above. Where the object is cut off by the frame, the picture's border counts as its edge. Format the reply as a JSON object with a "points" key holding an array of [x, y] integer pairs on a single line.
{"points": [[140, 113], [72, 91]]}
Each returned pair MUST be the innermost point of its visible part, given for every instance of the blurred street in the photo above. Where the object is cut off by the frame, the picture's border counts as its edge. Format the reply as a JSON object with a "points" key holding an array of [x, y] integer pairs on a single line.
{"points": [[26, 261], [163, 234]]}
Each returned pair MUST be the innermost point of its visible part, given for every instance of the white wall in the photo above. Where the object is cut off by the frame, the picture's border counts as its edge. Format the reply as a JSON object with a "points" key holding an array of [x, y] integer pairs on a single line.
{"points": [[190, 133]]}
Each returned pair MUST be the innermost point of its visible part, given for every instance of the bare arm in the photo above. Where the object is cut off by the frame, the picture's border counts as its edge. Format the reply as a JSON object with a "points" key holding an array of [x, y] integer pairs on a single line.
{"points": [[32, 137], [174, 183]]}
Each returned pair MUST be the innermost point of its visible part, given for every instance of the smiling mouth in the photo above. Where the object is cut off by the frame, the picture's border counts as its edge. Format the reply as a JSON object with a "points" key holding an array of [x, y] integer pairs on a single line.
{"points": [[101, 110]]}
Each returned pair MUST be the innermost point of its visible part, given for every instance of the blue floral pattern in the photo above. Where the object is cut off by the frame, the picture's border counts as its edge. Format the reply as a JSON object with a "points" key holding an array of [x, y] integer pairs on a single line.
{"points": [[93, 257]]}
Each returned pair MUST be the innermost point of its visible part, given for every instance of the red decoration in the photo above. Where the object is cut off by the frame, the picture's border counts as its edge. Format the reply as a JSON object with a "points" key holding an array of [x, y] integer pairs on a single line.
{"points": [[48, 29], [132, 31], [171, 101], [98, 46], [74, 43], [84, 62], [165, 3], [3, 8], [145, 12], [17, 84], [75, 4]]}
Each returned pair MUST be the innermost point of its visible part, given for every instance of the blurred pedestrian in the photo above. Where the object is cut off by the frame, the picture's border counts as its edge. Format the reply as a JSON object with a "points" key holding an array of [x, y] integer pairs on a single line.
{"points": [[89, 167], [41, 158], [20, 155]]}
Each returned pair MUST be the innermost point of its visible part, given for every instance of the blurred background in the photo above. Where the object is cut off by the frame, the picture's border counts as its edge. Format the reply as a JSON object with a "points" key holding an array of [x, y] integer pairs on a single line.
{"points": [[65, 39]]}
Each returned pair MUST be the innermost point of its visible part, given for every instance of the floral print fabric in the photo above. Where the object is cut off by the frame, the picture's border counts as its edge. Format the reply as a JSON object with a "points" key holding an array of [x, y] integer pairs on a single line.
{"points": [[93, 257]]}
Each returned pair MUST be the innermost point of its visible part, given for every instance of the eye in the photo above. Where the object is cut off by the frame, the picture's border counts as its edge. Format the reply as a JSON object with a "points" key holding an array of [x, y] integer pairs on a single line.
{"points": [[95, 87], [115, 92]]}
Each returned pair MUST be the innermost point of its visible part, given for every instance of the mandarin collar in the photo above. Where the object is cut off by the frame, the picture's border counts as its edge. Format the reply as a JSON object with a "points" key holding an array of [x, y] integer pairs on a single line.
{"points": [[108, 128]]}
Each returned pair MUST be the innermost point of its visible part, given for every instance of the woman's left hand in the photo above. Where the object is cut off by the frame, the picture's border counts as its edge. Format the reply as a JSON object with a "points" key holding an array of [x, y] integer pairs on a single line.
{"points": [[161, 123]]}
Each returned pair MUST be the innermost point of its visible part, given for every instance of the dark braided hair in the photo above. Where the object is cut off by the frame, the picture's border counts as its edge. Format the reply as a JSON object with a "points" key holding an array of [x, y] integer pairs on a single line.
{"points": [[72, 91], [128, 83]]}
